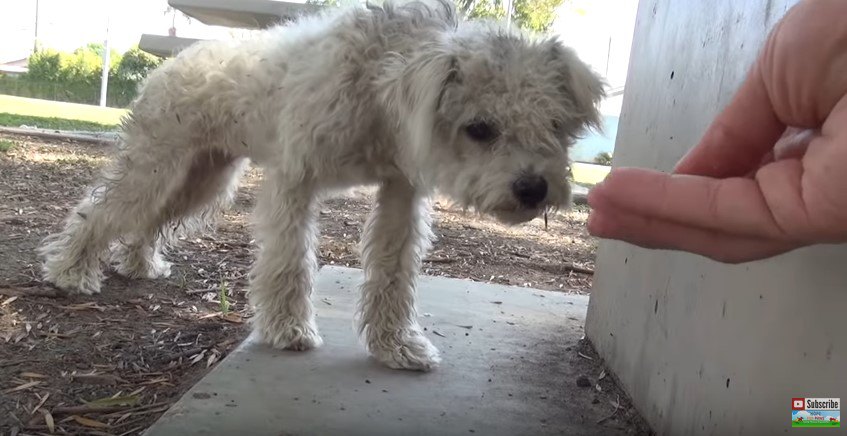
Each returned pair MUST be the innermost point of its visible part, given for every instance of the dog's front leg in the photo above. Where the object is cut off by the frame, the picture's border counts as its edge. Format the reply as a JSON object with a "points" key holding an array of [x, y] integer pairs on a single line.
{"points": [[281, 279], [396, 237]]}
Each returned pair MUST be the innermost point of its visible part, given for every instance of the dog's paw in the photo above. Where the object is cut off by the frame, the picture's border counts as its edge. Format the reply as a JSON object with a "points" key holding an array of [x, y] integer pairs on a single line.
{"points": [[76, 280], [406, 348], [287, 333], [139, 263], [156, 268]]}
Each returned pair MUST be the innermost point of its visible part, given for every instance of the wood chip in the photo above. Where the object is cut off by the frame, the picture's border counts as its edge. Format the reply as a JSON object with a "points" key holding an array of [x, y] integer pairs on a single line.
{"points": [[8, 300], [584, 356], [437, 333], [32, 375]]}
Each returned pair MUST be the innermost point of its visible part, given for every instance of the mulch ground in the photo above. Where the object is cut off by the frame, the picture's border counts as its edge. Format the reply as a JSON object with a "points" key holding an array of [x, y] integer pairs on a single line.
{"points": [[114, 363]]}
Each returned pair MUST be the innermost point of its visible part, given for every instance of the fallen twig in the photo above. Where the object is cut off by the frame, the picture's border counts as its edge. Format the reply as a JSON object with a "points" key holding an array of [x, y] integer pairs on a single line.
{"points": [[179, 355], [37, 292], [578, 269], [135, 410], [86, 408], [13, 363], [617, 404], [439, 260]]}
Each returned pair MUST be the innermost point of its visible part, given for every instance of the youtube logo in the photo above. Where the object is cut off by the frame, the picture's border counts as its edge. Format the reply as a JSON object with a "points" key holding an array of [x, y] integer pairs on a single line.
{"points": [[798, 404]]}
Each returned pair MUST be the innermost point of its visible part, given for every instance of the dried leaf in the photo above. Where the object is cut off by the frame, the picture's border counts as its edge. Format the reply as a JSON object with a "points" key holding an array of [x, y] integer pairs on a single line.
{"points": [[128, 400], [41, 403], [584, 356], [88, 422], [32, 375], [8, 300], [233, 317], [198, 357], [212, 359], [48, 420], [602, 375], [437, 333], [22, 387]]}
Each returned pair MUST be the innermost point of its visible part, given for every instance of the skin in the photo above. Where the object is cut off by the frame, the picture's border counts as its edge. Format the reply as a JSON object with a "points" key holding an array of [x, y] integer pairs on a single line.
{"points": [[769, 175]]}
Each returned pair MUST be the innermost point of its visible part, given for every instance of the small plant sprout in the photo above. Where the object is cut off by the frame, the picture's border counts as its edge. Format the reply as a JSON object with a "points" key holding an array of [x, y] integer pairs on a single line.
{"points": [[224, 298]]}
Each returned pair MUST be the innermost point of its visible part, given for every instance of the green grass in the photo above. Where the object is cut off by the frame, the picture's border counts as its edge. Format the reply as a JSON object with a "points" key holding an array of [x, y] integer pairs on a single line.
{"points": [[6, 145], [587, 174], [15, 120], [224, 298], [56, 109], [15, 111], [816, 424]]}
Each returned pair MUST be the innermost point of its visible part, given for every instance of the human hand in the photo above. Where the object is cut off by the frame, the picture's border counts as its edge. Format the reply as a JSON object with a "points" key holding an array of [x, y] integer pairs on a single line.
{"points": [[753, 187]]}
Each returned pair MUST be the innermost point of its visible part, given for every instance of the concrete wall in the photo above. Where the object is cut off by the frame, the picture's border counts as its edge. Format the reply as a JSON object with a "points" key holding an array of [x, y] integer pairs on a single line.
{"points": [[705, 348]]}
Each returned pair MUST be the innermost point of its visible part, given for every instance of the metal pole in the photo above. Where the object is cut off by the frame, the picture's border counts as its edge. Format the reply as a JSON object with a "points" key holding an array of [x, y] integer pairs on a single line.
{"points": [[104, 78], [35, 41]]}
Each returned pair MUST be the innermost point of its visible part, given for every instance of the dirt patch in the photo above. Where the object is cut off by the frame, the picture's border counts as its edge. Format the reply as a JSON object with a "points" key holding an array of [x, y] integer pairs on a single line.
{"points": [[112, 364]]}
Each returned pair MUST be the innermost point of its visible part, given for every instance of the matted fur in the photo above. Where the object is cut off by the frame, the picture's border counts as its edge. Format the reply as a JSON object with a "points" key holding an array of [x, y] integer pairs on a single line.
{"points": [[375, 95]]}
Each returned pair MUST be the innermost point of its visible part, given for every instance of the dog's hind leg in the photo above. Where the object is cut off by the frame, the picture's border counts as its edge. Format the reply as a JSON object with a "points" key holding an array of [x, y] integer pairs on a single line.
{"points": [[396, 237], [281, 278], [128, 195], [193, 203]]}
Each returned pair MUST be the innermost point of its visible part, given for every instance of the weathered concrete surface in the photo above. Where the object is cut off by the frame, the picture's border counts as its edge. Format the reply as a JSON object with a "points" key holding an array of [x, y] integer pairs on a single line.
{"points": [[705, 348], [164, 46], [504, 372], [248, 14]]}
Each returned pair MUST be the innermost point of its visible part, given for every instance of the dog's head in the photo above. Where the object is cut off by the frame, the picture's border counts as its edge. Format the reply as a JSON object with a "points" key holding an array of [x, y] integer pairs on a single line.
{"points": [[489, 117]]}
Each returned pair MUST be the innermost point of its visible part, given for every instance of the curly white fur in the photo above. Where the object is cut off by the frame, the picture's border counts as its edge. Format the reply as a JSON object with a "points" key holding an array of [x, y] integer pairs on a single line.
{"points": [[379, 95]]}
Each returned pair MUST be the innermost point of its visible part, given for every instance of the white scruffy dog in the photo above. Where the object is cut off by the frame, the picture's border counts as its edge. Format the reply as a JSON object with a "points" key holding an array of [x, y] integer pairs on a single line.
{"points": [[406, 96]]}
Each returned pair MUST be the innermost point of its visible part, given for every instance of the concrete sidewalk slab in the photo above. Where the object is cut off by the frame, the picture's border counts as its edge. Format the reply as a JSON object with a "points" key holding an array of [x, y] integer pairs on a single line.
{"points": [[504, 372]]}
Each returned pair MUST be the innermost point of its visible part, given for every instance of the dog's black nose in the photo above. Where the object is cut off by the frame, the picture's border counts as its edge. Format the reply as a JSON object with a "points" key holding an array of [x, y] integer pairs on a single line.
{"points": [[530, 189]]}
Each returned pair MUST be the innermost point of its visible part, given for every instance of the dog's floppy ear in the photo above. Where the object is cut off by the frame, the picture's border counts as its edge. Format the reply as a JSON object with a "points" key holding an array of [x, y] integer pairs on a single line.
{"points": [[412, 88], [583, 88]]}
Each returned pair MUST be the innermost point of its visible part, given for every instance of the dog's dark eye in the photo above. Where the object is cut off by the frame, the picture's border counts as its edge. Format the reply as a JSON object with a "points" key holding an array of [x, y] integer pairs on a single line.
{"points": [[481, 131], [557, 125]]}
